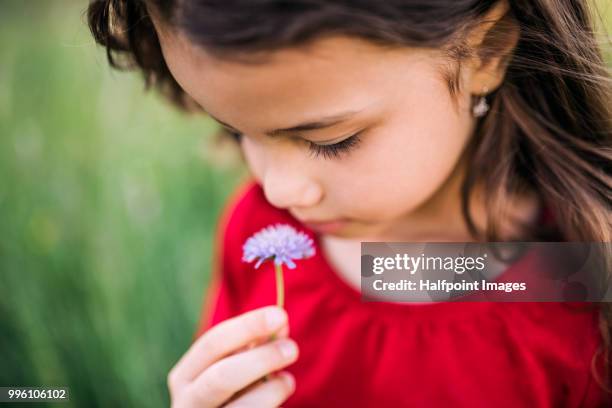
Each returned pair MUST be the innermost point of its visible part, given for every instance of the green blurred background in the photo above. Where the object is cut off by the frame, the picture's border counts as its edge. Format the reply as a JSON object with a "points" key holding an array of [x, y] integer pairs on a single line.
{"points": [[109, 200]]}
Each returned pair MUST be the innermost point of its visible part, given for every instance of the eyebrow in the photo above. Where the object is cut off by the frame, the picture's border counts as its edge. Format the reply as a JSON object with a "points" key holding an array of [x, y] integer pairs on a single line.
{"points": [[322, 123]]}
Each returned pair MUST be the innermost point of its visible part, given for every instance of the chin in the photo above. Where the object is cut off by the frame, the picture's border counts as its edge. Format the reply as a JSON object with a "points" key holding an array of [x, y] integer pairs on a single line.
{"points": [[354, 232], [341, 234]]}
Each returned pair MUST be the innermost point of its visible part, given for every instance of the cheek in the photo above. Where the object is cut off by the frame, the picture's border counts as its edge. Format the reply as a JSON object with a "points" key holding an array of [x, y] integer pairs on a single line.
{"points": [[408, 160]]}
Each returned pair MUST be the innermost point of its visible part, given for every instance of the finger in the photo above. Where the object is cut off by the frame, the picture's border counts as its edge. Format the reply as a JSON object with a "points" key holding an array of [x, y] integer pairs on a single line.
{"points": [[225, 377], [268, 394], [282, 333], [227, 337]]}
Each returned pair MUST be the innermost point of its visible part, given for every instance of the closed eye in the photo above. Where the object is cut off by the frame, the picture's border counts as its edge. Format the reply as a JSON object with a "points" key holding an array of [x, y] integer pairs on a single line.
{"points": [[329, 151], [333, 151]]}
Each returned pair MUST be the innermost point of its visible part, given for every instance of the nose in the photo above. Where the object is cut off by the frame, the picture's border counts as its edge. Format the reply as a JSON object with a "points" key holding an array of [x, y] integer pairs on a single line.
{"points": [[288, 190]]}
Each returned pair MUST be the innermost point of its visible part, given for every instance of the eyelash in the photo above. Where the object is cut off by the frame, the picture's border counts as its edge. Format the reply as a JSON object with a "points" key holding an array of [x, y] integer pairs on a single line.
{"points": [[335, 150], [331, 151]]}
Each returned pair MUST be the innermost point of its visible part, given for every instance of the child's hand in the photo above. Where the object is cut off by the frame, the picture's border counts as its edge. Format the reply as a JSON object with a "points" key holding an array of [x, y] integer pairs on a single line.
{"points": [[223, 365]]}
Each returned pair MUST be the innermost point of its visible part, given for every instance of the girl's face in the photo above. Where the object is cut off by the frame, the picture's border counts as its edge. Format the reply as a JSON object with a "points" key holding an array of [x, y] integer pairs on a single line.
{"points": [[400, 136]]}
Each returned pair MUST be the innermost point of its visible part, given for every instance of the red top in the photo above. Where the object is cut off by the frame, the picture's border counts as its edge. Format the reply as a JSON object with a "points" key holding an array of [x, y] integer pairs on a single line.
{"points": [[377, 354]]}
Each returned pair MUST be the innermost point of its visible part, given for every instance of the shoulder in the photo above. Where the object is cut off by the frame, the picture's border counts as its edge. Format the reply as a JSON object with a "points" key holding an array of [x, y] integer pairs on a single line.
{"points": [[564, 335]]}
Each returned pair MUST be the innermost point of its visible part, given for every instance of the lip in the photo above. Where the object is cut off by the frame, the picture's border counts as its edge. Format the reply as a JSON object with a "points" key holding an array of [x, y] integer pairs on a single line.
{"points": [[329, 226]]}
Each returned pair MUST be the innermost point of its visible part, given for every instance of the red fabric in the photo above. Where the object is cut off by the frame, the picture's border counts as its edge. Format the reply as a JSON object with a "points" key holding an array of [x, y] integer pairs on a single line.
{"points": [[375, 354]]}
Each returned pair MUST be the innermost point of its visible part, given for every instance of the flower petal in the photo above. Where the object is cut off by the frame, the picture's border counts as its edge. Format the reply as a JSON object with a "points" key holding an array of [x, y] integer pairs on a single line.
{"points": [[280, 242]]}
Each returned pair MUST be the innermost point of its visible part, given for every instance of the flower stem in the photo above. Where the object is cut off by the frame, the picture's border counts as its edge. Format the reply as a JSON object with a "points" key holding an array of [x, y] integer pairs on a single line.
{"points": [[280, 290], [280, 300]]}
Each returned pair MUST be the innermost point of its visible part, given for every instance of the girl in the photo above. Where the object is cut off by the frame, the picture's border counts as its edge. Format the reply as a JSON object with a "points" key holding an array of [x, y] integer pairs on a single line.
{"points": [[407, 120]]}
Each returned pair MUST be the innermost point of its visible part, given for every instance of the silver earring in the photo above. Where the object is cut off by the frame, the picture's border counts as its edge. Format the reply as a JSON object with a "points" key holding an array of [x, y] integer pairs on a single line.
{"points": [[481, 107]]}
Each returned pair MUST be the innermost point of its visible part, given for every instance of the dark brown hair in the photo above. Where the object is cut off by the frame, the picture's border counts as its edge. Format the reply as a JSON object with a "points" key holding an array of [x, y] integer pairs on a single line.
{"points": [[549, 129]]}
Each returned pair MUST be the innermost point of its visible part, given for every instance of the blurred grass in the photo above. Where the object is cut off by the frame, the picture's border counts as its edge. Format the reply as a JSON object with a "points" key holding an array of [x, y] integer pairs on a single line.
{"points": [[108, 203]]}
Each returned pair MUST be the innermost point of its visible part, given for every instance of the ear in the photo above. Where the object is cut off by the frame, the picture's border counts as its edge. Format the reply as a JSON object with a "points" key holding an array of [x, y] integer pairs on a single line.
{"points": [[493, 41]]}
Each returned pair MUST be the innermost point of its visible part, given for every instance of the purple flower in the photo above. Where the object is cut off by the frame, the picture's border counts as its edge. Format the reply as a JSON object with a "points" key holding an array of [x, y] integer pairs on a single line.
{"points": [[280, 242]]}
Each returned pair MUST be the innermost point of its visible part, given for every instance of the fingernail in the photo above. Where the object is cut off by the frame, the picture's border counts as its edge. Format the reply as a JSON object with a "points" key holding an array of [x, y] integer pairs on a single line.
{"points": [[287, 348], [275, 317]]}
